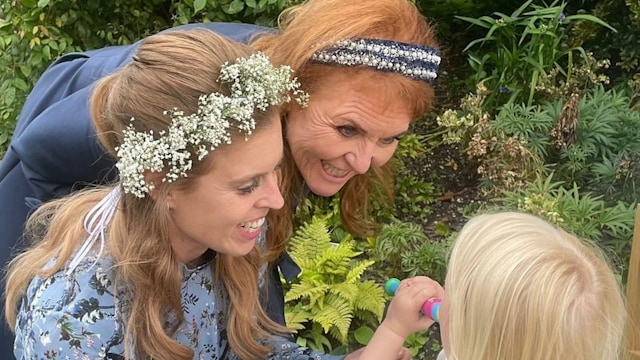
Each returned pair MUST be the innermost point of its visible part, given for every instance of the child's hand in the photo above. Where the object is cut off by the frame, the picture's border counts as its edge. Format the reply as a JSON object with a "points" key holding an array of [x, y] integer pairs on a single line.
{"points": [[403, 315]]}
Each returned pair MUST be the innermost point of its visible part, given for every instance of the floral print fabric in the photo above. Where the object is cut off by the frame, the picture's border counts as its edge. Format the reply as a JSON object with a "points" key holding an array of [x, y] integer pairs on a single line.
{"points": [[80, 316]]}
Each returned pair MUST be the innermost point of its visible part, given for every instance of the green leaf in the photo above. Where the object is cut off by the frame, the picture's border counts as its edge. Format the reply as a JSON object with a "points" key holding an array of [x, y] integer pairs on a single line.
{"points": [[20, 84], [198, 5], [520, 9], [26, 69], [43, 3], [590, 18], [9, 95], [235, 7], [252, 4], [477, 22], [363, 335], [4, 137], [46, 52]]}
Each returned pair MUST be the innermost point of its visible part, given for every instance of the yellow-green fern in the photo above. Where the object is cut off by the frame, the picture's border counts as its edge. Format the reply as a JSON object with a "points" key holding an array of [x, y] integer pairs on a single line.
{"points": [[329, 293]]}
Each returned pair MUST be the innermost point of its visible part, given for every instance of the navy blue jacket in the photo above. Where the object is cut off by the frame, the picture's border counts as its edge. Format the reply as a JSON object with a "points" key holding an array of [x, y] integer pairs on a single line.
{"points": [[54, 149]]}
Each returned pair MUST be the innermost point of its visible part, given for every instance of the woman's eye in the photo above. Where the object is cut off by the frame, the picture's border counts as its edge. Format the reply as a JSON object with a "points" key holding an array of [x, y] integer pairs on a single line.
{"points": [[390, 140], [347, 131], [249, 189]]}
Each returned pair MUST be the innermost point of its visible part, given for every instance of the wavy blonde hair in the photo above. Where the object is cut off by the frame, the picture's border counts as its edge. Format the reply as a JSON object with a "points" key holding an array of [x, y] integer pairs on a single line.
{"points": [[169, 70], [520, 288], [318, 23]]}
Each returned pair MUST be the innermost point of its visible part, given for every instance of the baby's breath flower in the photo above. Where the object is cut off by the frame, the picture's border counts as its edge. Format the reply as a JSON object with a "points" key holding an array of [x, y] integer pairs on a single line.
{"points": [[255, 85]]}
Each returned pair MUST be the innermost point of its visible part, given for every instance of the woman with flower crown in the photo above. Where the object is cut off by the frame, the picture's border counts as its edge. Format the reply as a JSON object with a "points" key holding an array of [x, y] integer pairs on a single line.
{"points": [[166, 263], [367, 65]]}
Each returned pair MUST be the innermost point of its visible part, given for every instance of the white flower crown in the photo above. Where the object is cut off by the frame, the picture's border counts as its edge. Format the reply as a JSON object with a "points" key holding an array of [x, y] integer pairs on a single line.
{"points": [[255, 85]]}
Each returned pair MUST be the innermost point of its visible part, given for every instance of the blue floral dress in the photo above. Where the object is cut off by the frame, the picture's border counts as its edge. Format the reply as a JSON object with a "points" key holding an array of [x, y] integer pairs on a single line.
{"points": [[80, 316]]}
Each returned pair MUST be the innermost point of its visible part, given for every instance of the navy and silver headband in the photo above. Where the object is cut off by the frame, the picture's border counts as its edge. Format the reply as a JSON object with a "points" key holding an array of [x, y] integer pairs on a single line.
{"points": [[413, 61]]}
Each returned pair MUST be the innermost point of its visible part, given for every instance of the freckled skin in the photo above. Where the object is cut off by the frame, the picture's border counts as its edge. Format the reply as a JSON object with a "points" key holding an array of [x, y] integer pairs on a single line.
{"points": [[345, 130]]}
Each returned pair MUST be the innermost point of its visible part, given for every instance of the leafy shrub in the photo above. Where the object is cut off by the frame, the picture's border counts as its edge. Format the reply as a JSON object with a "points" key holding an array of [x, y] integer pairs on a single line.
{"points": [[584, 140], [34, 33]]}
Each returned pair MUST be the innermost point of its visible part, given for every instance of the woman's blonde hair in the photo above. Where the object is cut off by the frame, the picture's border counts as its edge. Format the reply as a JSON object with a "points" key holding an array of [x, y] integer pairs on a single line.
{"points": [[318, 23], [520, 288], [170, 69]]}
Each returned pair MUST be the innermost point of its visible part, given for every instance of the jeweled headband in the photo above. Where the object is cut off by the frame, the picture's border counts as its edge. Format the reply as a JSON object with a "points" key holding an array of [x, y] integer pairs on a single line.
{"points": [[413, 61]]}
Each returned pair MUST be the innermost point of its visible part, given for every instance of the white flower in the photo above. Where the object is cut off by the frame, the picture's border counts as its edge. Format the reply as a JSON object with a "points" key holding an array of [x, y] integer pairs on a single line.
{"points": [[255, 85]]}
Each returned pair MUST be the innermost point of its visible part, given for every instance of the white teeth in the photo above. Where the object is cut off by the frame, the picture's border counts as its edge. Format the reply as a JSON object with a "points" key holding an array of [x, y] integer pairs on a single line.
{"points": [[333, 170], [253, 226]]}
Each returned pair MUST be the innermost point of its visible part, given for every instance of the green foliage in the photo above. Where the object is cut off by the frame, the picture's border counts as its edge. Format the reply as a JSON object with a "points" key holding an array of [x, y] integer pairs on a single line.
{"points": [[584, 75], [34, 33], [412, 192], [428, 259], [402, 249], [584, 141], [394, 240], [261, 12], [503, 160], [416, 343], [621, 48], [588, 216], [519, 48], [604, 157], [322, 303]]}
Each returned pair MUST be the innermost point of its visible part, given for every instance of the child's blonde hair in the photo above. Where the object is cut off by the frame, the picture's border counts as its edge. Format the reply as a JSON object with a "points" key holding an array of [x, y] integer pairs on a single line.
{"points": [[520, 288]]}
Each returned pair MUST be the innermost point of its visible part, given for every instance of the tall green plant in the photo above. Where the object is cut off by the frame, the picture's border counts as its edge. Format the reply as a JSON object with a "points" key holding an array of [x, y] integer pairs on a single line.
{"points": [[518, 48]]}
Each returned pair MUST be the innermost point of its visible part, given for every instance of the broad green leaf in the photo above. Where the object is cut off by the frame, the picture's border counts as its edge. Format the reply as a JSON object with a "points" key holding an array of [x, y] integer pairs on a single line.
{"points": [[235, 7], [198, 5], [363, 335], [46, 52], [9, 95], [20, 84]]}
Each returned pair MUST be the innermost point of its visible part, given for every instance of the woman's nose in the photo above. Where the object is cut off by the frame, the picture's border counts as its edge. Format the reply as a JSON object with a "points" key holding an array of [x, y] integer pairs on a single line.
{"points": [[273, 197]]}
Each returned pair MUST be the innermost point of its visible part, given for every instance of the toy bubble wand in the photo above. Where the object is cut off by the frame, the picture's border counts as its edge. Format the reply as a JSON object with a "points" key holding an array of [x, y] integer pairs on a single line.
{"points": [[430, 308]]}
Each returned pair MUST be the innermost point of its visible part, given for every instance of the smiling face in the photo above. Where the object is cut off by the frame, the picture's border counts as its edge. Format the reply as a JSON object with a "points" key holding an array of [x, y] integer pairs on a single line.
{"points": [[226, 208], [346, 129]]}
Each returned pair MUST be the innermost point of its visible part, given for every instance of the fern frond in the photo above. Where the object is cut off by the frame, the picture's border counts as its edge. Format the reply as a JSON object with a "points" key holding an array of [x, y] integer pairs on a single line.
{"points": [[370, 298], [311, 240], [337, 313], [297, 319], [337, 260], [347, 291], [357, 269], [298, 291]]}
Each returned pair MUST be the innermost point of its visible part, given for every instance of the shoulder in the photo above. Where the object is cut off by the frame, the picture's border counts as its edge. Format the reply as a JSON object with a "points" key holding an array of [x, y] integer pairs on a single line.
{"points": [[70, 315]]}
